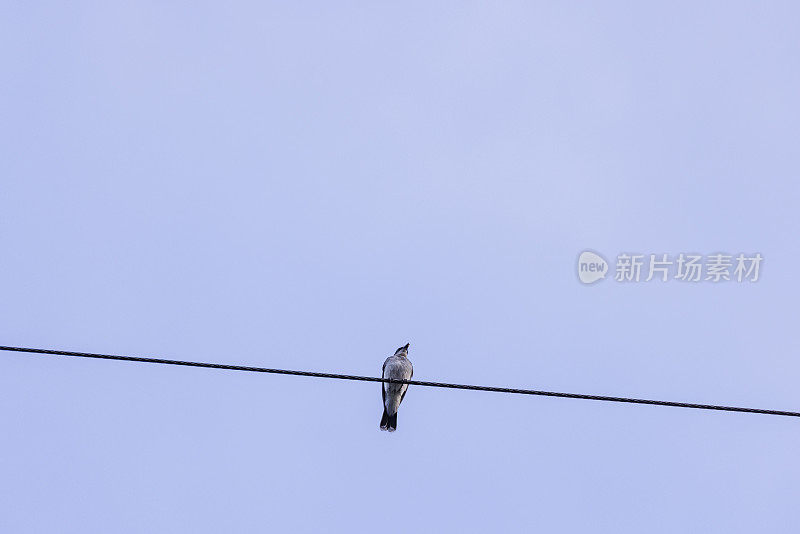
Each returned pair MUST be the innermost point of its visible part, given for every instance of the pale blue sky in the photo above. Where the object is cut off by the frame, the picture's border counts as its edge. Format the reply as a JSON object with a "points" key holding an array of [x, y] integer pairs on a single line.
{"points": [[311, 185]]}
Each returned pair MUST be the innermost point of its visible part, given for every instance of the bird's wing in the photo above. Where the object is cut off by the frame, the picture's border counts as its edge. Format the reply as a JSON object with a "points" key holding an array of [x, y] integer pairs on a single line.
{"points": [[409, 378], [383, 384]]}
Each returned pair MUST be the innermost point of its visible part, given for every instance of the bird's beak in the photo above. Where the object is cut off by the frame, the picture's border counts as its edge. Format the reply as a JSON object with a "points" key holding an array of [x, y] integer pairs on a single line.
{"points": [[407, 345]]}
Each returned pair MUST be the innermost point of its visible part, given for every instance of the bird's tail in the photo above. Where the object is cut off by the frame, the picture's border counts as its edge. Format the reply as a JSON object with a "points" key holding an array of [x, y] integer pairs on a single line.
{"points": [[392, 423], [385, 420]]}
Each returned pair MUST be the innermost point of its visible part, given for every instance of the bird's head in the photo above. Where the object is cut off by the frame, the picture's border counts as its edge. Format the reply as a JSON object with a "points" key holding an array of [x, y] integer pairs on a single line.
{"points": [[402, 350]]}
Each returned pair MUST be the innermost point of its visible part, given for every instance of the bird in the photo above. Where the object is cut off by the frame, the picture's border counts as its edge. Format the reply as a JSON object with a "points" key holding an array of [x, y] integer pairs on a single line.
{"points": [[397, 367]]}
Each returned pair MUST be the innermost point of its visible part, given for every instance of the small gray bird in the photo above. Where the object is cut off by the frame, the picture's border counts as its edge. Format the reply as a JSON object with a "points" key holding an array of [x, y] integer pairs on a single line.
{"points": [[399, 368]]}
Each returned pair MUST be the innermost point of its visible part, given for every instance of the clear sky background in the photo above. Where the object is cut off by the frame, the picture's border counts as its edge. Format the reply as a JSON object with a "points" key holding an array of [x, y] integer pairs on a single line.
{"points": [[311, 185]]}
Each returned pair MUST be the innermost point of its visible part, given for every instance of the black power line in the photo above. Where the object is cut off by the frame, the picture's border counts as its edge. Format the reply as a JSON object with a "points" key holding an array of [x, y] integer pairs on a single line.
{"points": [[410, 382]]}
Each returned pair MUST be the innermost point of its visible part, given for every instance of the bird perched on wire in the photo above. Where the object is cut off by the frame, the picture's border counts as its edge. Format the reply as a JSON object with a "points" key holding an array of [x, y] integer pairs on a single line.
{"points": [[397, 367]]}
